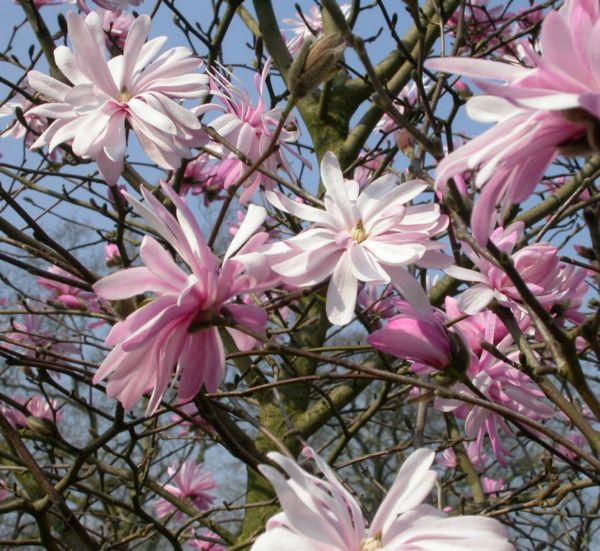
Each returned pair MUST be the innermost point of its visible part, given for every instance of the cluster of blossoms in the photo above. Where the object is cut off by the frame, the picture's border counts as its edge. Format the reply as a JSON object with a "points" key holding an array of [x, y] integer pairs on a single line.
{"points": [[425, 340], [322, 515], [365, 238]]}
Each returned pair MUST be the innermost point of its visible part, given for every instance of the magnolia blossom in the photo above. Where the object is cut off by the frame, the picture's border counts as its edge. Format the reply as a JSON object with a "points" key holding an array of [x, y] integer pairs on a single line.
{"points": [[501, 384], [549, 108], [31, 331], [387, 125], [492, 485], [190, 411], [308, 26], [137, 88], [367, 237], [481, 21], [475, 328], [203, 175], [37, 406], [250, 129], [70, 296], [36, 124], [188, 482], [321, 515], [176, 328], [416, 336], [117, 25], [378, 304], [112, 255], [554, 284], [207, 543], [448, 458]]}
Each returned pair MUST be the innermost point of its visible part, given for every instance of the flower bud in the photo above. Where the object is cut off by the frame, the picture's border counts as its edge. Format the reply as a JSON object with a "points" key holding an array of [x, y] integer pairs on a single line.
{"points": [[113, 256], [316, 63], [42, 426], [406, 143], [463, 89]]}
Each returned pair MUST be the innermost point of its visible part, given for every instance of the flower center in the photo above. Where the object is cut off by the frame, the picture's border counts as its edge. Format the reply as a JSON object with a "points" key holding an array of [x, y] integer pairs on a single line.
{"points": [[124, 95], [202, 321], [370, 544], [358, 232]]}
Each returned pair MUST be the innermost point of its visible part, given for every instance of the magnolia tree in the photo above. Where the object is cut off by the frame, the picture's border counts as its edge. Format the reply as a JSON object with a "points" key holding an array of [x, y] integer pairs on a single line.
{"points": [[266, 285]]}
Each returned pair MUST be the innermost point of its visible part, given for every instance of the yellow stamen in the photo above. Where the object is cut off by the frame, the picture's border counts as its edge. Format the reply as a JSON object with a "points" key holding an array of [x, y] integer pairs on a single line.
{"points": [[124, 95], [358, 232], [371, 544]]}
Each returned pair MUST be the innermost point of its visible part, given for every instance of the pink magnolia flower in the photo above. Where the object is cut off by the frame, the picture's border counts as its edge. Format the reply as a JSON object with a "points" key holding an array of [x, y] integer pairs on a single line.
{"points": [[408, 96], [31, 330], [137, 88], [419, 337], [250, 129], [176, 327], [321, 515], [378, 304], [207, 543], [186, 426], [115, 22], [69, 295], [481, 21], [37, 406], [501, 384], [15, 129], [368, 164], [554, 284], [117, 25], [492, 485], [113, 255], [188, 482], [544, 110], [203, 175], [40, 407], [303, 32], [448, 458], [529, 16], [367, 237], [577, 439], [475, 328]]}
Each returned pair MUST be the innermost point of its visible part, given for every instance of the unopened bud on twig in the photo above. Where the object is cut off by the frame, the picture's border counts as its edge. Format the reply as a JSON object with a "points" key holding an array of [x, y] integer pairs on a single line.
{"points": [[316, 63], [42, 426]]}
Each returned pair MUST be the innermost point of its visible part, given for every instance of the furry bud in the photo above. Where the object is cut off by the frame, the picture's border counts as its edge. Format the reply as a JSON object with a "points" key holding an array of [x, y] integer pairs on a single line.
{"points": [[316, 63]]}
